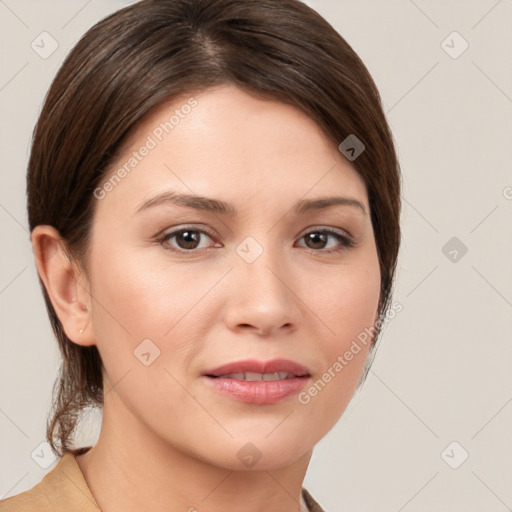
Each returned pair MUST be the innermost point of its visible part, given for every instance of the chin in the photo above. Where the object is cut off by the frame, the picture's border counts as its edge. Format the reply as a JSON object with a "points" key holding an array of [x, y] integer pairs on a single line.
{"points": [[264, 454]]}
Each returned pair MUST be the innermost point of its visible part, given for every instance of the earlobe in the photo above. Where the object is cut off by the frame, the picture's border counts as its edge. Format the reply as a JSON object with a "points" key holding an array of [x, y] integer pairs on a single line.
{"points": [[65, 284]]}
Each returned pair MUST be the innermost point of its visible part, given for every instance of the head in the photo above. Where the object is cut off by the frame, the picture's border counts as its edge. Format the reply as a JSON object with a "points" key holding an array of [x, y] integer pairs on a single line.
{"points": [[247, 103]]}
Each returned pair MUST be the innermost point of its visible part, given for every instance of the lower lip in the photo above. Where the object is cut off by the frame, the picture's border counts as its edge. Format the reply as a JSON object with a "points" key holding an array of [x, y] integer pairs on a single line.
{"points": [[258, 392]]}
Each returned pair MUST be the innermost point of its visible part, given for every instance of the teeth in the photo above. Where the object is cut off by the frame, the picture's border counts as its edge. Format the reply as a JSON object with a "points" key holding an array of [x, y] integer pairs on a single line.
{"points": [[271, 376], [238, 376], [252, 376]]}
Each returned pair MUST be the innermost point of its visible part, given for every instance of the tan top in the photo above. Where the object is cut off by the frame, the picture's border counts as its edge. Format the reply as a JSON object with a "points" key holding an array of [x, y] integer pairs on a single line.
{"points": [[64, 489]]}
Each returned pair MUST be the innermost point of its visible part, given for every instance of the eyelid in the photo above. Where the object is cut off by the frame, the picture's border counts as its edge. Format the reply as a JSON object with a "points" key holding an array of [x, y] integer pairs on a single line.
{"points": [[330, 229], [178, 229]]}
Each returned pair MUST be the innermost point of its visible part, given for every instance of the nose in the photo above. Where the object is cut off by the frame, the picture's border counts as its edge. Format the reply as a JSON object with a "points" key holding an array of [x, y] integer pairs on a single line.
{"points": [[261, 299]]}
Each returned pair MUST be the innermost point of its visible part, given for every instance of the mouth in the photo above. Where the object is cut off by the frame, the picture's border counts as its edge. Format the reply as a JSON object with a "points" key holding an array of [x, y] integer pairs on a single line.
{"points": [[258, 382]]}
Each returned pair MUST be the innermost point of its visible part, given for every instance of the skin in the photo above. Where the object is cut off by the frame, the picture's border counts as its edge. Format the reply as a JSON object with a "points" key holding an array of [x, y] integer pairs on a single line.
{"points": [[161, 423]]}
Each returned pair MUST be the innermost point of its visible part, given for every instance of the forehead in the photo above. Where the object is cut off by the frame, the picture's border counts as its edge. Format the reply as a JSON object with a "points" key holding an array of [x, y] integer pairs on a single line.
{"points": [[227, 143]]}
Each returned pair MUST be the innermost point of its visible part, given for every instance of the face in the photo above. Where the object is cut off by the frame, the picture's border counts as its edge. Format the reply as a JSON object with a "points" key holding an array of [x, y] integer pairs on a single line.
{"points": [[257, 269]]}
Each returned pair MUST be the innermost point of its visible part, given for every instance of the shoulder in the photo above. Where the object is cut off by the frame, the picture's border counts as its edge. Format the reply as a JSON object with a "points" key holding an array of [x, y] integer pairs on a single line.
{"points": [[37, 498], [28, 501], [62, 489]]}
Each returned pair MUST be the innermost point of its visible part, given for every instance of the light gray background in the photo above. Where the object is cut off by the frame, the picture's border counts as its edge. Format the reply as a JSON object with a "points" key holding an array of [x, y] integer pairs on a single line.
{"points": [[443, 369]]}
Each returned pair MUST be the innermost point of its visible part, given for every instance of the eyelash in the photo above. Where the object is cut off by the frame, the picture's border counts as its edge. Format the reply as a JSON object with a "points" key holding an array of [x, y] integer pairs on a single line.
{"points": [[346, 241]]}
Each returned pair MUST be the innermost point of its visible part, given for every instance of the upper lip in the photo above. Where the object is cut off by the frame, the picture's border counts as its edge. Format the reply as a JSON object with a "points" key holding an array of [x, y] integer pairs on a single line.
{"points": [[255, 366]]}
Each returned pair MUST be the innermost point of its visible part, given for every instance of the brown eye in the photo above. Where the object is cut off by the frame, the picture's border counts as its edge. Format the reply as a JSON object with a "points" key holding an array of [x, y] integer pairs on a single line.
{"points": [[186, 239], [319, 240]]}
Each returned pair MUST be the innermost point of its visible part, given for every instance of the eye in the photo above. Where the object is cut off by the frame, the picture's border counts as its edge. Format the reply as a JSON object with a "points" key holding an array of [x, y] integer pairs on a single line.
{"points": [[187, 239], [318, 240]]}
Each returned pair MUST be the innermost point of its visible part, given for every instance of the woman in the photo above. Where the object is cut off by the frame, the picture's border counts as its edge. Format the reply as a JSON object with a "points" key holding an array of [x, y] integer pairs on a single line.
{"points": [[214, 203]]}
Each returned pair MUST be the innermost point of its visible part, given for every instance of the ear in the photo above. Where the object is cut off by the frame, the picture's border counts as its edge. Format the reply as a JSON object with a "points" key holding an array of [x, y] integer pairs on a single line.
{"points": [[65, 283]]}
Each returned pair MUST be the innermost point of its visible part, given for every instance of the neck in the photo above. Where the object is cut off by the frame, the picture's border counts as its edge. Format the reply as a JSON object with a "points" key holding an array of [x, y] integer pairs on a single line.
{"points": [[126, 474]]}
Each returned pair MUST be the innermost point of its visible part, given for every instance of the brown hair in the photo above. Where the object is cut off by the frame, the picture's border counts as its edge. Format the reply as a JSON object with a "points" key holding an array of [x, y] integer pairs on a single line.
{"points": [[155, 50]]}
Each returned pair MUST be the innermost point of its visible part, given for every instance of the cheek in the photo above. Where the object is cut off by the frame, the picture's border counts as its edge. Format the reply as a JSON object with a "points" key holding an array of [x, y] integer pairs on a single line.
{"points": [[347, 308], [134, 295], [126, 295], [347, 302], [140, 297]]}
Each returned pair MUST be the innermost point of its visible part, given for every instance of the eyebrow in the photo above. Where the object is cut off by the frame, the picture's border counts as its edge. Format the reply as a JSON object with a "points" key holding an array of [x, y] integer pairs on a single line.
{"points": [[220, 207]]}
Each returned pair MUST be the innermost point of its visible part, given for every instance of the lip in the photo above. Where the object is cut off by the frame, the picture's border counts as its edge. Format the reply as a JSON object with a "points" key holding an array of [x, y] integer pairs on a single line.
{"points": [[253, 365], [258, 392]]}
